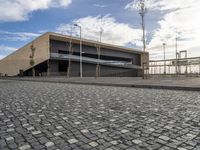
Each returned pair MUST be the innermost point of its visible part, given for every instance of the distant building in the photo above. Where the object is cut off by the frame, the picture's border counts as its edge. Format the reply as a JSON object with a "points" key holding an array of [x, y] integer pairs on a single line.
{"points": [[53, 56]]}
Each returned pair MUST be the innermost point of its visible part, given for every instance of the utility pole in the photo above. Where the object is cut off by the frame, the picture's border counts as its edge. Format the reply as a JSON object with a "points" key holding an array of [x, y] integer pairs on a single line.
{"points": [[99, 53], [142, 12], [81, 68], [176, 45], [164, 44], [70, 54], [98, 68]]}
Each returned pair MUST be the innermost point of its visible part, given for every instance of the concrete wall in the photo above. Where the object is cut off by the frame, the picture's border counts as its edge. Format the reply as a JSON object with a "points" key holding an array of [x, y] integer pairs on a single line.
{"points": [[21, 58], [118, 72], [89, 70]]}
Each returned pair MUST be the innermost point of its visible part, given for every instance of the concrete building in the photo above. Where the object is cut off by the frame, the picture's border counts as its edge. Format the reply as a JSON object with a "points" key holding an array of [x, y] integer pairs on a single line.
{"points": [[57, 54]]}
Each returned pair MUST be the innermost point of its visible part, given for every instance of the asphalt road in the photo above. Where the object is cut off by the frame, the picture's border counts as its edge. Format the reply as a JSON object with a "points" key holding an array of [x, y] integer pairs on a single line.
{"points": [[36, 115]]}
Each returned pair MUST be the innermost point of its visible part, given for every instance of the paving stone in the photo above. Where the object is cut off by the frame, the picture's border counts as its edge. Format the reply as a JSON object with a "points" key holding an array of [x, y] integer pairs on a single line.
{"points": [[93, 144], [165, 138], [108, 149], [11, 125], [36, 132], [77, 123], [10, 130], [108, 117], [58, 133], [136, 141], [12, 145], [151, 129], [9, 138], [49, 144], [114, 142], [129, 125], [112, 120], [2, 143], [72, 141], [84, 131], [65, 118], [6, 120], [25, 147], [102, 130], [30, 128], [25, 125], [180, 148], [59, 127], [191, 136], [124, 131]]}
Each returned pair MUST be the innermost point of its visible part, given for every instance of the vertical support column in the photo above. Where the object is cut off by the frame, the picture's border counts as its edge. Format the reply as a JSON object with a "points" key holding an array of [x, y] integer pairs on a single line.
{"points": [[186, 70], [98, 63], [160, 69], [199, 67], [168, 69], [48, 68]]}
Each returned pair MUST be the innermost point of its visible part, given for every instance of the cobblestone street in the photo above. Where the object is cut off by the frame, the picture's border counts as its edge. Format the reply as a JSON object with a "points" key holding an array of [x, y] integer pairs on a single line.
{"points": [[83, 117]]}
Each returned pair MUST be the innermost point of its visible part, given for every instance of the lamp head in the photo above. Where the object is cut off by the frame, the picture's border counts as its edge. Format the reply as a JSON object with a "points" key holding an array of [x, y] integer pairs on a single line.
{"points": [[76, 25]]}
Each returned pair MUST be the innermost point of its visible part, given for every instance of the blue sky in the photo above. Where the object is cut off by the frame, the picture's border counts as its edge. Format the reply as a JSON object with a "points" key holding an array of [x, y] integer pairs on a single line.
{"points": [[119, 19]]}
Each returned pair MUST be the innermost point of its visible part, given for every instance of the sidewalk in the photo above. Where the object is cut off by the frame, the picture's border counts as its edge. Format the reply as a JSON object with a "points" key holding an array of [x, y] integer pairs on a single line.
{"points": [[173, 83]]}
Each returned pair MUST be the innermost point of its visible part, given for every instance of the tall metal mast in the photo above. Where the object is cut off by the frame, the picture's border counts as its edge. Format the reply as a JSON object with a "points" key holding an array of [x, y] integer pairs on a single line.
{"points": [[176, 45], [142, 12]]}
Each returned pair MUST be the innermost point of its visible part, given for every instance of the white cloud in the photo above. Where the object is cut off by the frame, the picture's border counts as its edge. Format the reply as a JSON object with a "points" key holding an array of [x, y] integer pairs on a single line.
{"points": [[1, 56], [19, 10], [134, 5], [17, 36], [161, 4], [6, 50], [179, 16], [113, 32], [101, 6]]}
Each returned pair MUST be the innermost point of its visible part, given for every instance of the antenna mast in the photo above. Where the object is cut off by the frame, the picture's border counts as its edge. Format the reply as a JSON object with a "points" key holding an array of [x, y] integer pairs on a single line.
{"points": [[142, 12]]}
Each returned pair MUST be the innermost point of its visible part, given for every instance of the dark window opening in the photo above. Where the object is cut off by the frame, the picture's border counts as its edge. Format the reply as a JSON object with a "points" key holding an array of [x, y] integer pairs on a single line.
{"points": [[63, 52], [103, 57], [40, 70], [62, 66]]}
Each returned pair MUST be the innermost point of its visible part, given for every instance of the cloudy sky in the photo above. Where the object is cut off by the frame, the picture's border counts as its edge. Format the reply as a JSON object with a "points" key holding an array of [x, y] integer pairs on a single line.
{"points": [[22, 21]]}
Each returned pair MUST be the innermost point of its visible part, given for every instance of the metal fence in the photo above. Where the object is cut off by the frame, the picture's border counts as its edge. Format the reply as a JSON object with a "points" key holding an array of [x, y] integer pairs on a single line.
{"points": [[184, 66]]}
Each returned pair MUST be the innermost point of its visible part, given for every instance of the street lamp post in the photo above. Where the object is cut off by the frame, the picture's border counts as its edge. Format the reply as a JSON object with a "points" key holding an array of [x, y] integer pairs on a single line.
{"points": [[81, 74], [142, 12], [164, 44], [176, 54], [99, 53]]}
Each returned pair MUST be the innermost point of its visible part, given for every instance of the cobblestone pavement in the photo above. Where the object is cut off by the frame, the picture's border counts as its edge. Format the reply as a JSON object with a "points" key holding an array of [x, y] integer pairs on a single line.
{"points": [[64, 116]]}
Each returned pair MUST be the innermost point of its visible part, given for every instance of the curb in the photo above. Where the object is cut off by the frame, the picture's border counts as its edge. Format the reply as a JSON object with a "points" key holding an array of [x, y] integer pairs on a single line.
{"points": [[114, 84]]}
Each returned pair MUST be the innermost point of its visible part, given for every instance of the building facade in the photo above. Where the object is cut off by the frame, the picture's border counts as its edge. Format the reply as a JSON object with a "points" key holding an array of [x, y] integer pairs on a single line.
{"points": [[59, 55]]}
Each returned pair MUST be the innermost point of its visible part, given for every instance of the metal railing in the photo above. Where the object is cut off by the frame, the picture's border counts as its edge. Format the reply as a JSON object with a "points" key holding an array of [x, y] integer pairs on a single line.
{"points": [[95, 61], [183, 66]]}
